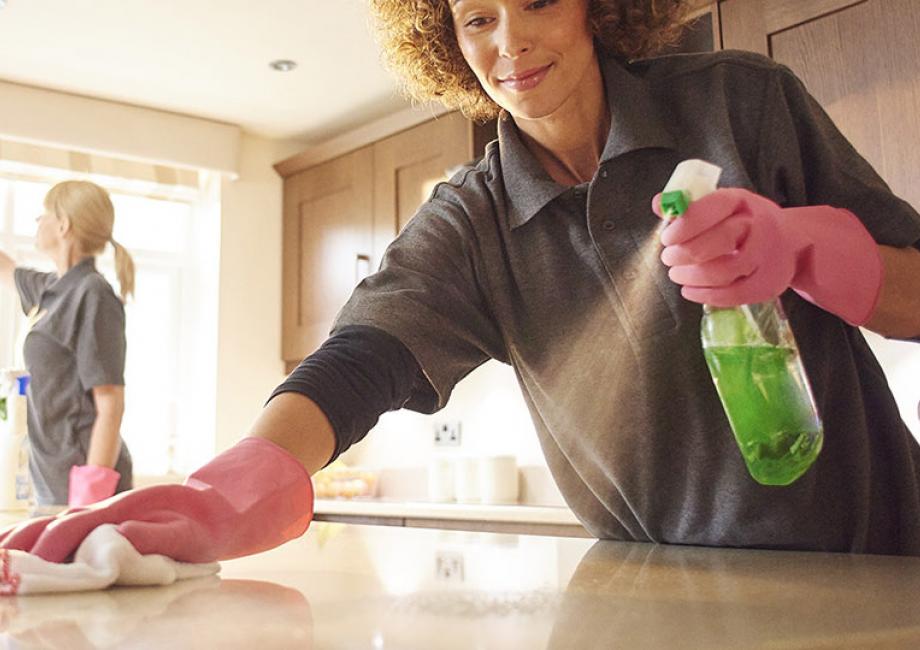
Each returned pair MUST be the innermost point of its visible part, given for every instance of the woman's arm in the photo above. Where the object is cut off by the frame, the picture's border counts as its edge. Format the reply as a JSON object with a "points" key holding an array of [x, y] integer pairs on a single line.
{"points": [[295, 423], [105, 442], [897, 314], [7, 266]]}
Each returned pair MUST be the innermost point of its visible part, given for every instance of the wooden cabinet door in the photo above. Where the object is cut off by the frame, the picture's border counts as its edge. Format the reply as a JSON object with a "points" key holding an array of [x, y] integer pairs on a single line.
{"points": [[703, 32], [327, 244], [861, 61], [408, 165]]}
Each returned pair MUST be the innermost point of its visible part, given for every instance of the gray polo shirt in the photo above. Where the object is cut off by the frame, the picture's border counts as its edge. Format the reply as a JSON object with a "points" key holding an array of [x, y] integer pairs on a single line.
{"points": [[565, 285], [77, 342]]}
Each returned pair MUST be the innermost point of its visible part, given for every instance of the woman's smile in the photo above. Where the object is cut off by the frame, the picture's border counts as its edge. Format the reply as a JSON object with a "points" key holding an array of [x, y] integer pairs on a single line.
{"points": [[530, 57], [526, 79]]}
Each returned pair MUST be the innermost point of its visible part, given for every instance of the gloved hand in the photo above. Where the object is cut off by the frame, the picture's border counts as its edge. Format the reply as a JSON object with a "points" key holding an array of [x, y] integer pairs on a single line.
{"points": [[735, 247], [91, 483], [251, 498]]}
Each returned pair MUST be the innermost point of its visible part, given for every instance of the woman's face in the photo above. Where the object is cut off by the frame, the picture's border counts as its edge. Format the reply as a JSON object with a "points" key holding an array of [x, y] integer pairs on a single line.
{"points": [[529, 55], [49, 232]]}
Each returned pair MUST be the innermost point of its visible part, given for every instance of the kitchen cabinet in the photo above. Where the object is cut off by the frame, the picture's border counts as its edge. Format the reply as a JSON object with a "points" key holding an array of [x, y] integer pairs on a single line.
{"points": [[408, 165], [860, 61], [326, 246], [339, 216], [704, 30]]}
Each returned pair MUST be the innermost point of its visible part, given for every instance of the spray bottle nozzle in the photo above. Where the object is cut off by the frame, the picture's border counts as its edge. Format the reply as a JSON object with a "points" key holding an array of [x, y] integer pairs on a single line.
{"points": [[674, 203]]}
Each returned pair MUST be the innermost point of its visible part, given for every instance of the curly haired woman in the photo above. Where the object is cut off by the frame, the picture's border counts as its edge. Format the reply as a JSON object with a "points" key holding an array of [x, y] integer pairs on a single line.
{"points": [[544, 255]]}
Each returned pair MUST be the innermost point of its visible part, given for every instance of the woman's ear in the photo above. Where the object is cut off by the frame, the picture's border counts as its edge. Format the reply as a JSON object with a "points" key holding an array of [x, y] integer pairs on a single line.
{"points": [[63, 225]]}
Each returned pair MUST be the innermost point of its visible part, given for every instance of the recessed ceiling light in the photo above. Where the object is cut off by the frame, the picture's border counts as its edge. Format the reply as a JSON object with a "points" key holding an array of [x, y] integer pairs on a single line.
{"points": [[281, 65]]}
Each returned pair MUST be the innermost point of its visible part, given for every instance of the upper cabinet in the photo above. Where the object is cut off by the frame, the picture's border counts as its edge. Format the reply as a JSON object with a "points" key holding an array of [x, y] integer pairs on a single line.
{"points": [[408, 165], [704, 31], [340, 215], [327, 244], [861, 61]]}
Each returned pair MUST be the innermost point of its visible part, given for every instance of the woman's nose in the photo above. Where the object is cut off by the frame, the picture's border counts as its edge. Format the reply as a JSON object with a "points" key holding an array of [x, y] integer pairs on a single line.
{"points": [[514, 39]]}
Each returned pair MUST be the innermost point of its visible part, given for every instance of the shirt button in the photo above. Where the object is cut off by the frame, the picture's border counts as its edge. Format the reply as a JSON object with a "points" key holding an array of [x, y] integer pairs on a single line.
{"points": [[603, 173], [608, 225]]}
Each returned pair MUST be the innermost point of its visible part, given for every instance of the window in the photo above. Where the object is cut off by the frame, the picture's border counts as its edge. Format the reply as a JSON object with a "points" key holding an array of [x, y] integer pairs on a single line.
{"points": [[172, 233]]}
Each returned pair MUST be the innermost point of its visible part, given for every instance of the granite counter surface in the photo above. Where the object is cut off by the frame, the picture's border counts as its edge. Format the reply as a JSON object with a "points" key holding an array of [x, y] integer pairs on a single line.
{"points": [[349, 586]]}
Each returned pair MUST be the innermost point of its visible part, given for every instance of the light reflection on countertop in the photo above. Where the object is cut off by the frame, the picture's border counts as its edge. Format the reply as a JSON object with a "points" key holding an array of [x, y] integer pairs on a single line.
{"points": [[347, 586]]}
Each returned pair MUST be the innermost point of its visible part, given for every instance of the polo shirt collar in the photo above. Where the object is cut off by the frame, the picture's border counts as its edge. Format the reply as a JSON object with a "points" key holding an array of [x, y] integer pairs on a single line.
{"points": [[637, 122], [527, 185], [73, 275]]}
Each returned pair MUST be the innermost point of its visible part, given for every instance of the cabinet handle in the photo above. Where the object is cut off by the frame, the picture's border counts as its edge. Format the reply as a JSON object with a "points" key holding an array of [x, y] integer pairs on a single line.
{"points": [[362, 267]]}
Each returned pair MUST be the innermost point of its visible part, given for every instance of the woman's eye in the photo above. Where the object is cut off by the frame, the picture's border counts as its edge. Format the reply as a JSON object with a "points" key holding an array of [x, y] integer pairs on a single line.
{"points": [[540, 4], [477, 21]]}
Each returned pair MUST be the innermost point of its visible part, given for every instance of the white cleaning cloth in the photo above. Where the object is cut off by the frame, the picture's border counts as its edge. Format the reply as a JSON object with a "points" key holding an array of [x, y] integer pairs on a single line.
{"points": [[104, 558]]}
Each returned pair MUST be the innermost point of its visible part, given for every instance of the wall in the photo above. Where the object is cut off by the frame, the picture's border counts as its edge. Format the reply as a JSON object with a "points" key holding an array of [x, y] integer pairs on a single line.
{"points": [[493, 417], [249, 313], [89, 125], [493, 420], [901, 362]]}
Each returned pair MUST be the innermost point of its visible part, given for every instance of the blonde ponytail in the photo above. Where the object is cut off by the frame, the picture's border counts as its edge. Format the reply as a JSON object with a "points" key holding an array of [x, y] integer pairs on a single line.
{"points": [[124, 269], [92, 218]]}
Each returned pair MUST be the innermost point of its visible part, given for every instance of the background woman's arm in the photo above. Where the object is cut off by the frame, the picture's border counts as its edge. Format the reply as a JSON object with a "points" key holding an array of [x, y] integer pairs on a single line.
{"points": [[105, 442], [7, 266]]}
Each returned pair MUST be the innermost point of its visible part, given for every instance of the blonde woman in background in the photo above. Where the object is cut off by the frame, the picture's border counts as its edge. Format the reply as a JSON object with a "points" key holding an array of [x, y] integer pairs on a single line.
{"points": [[74, 350]]}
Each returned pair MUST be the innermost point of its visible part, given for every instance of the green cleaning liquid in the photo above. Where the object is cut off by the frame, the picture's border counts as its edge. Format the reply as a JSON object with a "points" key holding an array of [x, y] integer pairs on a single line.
{"points": [[766, 398], [754, 363]]}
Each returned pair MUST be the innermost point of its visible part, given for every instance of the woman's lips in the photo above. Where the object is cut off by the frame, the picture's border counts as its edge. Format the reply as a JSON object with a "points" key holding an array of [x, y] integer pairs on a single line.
{"points": [[525, 80]]}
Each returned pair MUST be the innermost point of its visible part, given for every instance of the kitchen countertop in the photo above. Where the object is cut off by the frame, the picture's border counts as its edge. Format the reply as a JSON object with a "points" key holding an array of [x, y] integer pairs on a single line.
{"points": [[461, 511], [348, 586], [510, 518]]}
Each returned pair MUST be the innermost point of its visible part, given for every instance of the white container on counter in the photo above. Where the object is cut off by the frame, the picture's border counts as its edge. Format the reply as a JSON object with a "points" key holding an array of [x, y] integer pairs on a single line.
{"points": [[15, 485], [473, 479], [466, 480], [498, 479], [441, 479]]}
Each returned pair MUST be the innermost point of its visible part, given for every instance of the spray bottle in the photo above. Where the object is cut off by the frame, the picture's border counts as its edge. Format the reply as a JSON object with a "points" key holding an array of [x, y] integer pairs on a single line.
{"points": [[15, 484], [754, 362]]}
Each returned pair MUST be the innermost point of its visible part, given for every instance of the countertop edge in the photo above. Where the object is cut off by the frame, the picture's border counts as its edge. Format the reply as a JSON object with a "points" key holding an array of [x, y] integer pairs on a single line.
{"points": [[457, 511]]}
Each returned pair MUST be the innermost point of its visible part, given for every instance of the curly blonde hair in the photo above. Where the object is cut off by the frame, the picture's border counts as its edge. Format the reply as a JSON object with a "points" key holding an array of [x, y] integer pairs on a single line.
{"points": [[419, 44]]}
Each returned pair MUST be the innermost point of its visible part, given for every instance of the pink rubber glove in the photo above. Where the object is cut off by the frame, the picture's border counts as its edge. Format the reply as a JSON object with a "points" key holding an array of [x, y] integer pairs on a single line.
{"points": [[250, 498], [91, 483], [734, 247]]}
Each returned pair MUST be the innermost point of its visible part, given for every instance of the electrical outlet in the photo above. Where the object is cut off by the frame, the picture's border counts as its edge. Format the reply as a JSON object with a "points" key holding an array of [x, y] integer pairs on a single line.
{"points": [[448, 566], [447, 434]]}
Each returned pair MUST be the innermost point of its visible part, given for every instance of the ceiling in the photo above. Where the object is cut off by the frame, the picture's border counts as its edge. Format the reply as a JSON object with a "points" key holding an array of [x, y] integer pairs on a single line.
{"points": [[207, 58]]}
